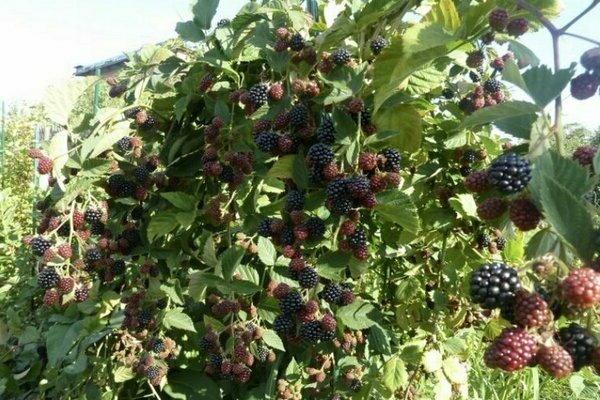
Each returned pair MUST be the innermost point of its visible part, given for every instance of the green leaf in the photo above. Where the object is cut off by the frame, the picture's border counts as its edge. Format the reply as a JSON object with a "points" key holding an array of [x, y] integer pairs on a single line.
{"points": [[332, 265], [161, 224], [244, 287], [432, 361], [443, 388], [204, 11], [520, 126], [523, 54], [597, 162], [446, 14], [426, 79], [395, 375], [405, 122], [420, 44], [544, 242], [181, 200], [188, 384], [464, 204], [60, 339], [343, 83], [100, 142], [230, 260], [574, 177], [266, 251], [300, 172], [455, 370], [189, 31], [544, 86], [123, 374], [95, 167], [397, 207], [379, 340], [59, 100], [272, 339], [511, 73], [356, 315], [509, 109], [283, 168], [175, 318]]}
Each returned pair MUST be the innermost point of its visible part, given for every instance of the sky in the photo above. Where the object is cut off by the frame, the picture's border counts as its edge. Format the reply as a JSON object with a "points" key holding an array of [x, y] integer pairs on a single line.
{"points": [[42, 41]]}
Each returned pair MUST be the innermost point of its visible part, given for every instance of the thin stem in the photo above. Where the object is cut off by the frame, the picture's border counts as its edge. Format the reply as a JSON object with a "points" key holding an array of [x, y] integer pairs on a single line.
{"points": [[587, 39], [538, 14], [578, 17]]}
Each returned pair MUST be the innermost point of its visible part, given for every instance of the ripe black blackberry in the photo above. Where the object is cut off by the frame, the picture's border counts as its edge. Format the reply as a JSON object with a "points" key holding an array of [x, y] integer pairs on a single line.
{"points": [[148, 124], [448, 93], [132, 112], [298, 116], [326, 131], [524, 214], [342, 206], [482, 239], [320, 154], [227, 174], [297, 42], [391, 159], [81, 293], [267, 141], [491, 85], [118, 267], [355, 385], [152, 372], [358, 238], [287, 235], [578, 342], [39, 245], [510, 173], [358, 186], [517, 26], [315, 227], [283, 324], [215, 360], [161, 304], [500, 243], [331, 293], [92, 215], [126, 189], [124, 144], [469, 156], [262, 352], [157, 345], [494, 285], [223, 23], [584, 86], [93, 255], [336, 189], [475, 77], [531, 310], [144, 317], [310, 331], [291, 303], [97, 228], [465, 170], [141, 174], [308, 278], [48, 278], [340, 56], [259, 94], [264, 227], [513, 350], [294, 201], [378, 44], [555, 360]]}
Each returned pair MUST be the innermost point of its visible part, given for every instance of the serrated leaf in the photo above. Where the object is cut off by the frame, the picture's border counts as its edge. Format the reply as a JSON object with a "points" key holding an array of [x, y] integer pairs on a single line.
{"points": [[266, 251], [300, 172], [175, 318], [332, 265], [283, 168], [523, 54], [406, 122], [59, 100], [379, 340], [397, 207], [230, 259], [58, 151], [272, 339], [356, 315], [511, 73], [244, 287], [189, 31], [455, 370], [395, 375], [502, 111], [204, 11], [432, 360], [123, 374], [446, 14], [161, 224], [464, 204], [181, 200], [544, 86]]}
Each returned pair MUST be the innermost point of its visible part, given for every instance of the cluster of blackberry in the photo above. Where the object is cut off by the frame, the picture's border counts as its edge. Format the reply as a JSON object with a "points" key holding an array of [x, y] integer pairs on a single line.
{"points": [[236, 363], [493, 243], [500, 21], [585, 85], [151, 369]]}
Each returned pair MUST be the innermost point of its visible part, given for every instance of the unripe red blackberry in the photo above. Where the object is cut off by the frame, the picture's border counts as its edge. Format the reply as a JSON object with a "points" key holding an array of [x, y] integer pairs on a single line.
{"points": [[45, 165], [497, 63], [531, 310], [328, 322], [377, 183], [585, 155], [524, 214], [276, 91], [491, 208], [66, 284], [517, 26], [475, 59], [367, 161], [356, 105], [513, 350], [555, 360], [392, 180], [206, 82], [51, 298], [581, 288], [477, 182], [282, 33], [498, 19], [584, 86]]}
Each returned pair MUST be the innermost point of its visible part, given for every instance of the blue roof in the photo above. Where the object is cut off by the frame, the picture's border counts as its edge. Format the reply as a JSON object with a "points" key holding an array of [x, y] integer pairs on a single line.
{"points": [[83, 70]]}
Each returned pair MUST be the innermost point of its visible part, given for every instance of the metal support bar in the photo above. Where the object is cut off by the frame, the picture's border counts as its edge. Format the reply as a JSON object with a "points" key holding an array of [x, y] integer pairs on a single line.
{"points": [[312, 7]]}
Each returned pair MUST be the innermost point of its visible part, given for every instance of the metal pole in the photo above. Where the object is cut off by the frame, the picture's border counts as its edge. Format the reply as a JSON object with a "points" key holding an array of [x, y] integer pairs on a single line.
{"points": [[313, 8], [96, 92]]}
